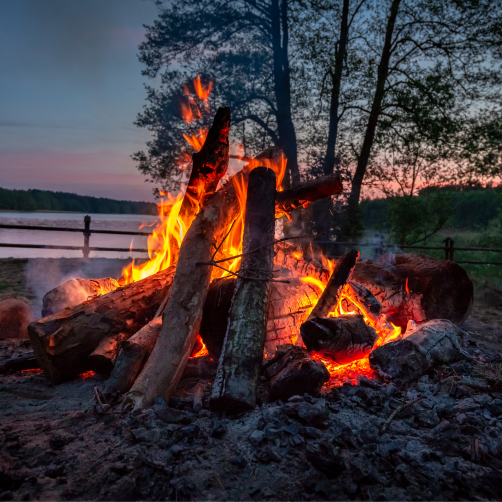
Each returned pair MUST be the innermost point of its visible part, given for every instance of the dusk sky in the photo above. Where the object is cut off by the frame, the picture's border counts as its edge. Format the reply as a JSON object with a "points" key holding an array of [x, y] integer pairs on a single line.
{"points": [[70, 90]]}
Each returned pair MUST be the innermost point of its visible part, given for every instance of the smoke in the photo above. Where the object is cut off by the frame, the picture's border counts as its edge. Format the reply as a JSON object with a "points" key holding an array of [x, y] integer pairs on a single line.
{"points": [[44, 274]]}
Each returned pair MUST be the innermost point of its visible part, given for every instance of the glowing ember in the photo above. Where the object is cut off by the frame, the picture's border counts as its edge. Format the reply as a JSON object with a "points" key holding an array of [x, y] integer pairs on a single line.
{"points": [[386, 332], [87, 374], [33, 370], [203, 351]]}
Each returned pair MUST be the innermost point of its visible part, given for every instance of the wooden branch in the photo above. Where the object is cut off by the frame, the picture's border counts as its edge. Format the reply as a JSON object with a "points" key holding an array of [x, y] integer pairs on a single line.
{"points": [[339, 277], [304, 194], [63, 341], [209, 166], [236, 382], [133, 353]]}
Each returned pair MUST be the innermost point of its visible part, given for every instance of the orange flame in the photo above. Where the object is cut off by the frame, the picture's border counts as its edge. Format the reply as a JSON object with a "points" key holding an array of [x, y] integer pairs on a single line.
{"points": [[196, 141], [385, 330], [203, 351], [202, 93], [163, 244]]}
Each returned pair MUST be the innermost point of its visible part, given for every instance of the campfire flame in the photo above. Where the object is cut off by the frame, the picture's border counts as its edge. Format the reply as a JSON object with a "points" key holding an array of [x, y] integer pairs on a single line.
{"points": [[385, 330]]}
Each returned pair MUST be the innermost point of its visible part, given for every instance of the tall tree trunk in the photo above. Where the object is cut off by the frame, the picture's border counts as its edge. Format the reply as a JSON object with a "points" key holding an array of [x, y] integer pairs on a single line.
{"points": [[322, 209], [376, 108], [282, 90], [336, 76]]}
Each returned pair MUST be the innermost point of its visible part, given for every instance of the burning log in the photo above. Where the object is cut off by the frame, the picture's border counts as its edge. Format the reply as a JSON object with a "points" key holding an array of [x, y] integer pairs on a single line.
{"points": [[417, 287], [288, 307], [209, 166], [102, 358], [342, 339], [190, 286], [364, 297], [74, 292], [331, 294], [63, 341], [133, 354], [236, 382], [304, 194], [292, 372], [435, 342]]}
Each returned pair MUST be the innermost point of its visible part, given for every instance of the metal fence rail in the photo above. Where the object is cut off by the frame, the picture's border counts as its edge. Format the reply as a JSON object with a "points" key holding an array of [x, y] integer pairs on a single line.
{"points": [[380, 247]]}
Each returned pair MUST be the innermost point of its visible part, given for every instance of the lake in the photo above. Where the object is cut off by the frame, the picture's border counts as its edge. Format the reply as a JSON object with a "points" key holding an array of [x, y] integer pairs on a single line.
{"points": [[124, 222]]}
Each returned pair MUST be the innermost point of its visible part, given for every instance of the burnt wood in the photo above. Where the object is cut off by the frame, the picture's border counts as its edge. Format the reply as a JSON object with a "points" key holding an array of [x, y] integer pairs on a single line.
{"points": [[133, 354], [74, 292], [209, 165], [236, 382], [417, 287], [304, 194], [432, 343], [365, 298], [27, 361], [293, 372], [336, 282], [63, 341], [343, 339]]}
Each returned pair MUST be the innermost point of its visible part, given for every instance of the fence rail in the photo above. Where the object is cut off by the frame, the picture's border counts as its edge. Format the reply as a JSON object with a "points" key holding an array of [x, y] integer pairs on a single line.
{"points": [[380, 247]]}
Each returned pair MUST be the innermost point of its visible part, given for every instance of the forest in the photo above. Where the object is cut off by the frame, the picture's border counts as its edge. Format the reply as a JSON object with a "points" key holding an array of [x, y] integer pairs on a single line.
{"points": [[46, 200]]}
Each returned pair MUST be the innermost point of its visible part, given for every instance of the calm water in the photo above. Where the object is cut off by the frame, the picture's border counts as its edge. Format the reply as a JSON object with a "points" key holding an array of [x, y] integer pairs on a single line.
{"points": [[124, 222]]}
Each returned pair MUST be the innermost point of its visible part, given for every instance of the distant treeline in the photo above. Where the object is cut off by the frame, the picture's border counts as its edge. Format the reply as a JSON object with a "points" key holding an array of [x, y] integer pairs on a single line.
{"points": [[473, 208], [45, 200]]}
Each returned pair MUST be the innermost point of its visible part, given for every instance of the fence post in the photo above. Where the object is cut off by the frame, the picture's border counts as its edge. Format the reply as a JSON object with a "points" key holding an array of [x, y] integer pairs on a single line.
{"points": [[87, 233], [448, 249]]}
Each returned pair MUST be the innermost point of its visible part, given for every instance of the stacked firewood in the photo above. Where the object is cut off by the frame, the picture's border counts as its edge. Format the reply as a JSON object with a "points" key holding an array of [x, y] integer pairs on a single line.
{"points": [[144, 333]]}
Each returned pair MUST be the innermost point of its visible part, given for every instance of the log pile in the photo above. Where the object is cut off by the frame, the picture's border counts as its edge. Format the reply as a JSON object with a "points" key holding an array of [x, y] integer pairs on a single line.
{"points": [[143, 334]]}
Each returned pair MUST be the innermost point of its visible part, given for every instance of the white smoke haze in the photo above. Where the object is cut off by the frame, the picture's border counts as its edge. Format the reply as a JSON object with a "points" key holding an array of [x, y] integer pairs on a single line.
{"points": [[44, 274]]}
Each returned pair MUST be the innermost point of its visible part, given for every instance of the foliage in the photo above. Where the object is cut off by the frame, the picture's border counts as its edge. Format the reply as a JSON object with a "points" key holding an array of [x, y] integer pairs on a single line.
{"points": [[415, 219], [40, 200], [471, 208]]}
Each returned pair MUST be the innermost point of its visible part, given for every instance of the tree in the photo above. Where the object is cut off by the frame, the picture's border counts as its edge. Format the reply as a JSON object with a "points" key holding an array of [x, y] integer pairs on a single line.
{"points": [[245, 46], [418, 35]]}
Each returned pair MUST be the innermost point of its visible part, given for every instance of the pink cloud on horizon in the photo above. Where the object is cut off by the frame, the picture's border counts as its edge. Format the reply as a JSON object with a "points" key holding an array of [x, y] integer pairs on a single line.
{"points": [[100, 174]]}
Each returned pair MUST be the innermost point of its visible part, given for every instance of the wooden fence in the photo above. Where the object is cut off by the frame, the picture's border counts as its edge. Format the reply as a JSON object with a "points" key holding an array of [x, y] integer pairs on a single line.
{"points": [[380, 247]]}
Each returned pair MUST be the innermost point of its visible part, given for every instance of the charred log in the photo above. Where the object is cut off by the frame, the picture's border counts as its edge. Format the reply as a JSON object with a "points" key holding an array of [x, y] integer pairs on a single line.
{"points": [[63, 341], [288, 308], [293, 372], [236, 382], [209, 165], [304, 194], [417, 287], [74, 292], [366, 299], [432, 343], [133, 354], [331, 294], [342, 339]]}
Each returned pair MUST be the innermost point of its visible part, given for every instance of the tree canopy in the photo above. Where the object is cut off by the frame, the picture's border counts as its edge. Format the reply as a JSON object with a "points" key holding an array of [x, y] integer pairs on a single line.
{"points": [[395, 94]]}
